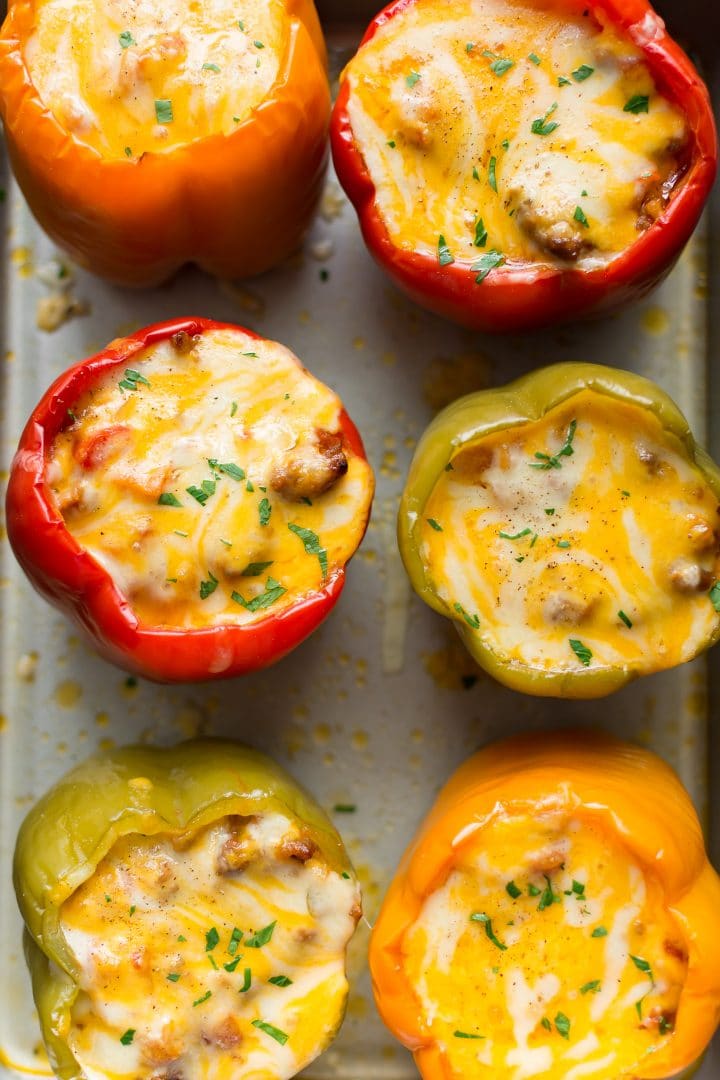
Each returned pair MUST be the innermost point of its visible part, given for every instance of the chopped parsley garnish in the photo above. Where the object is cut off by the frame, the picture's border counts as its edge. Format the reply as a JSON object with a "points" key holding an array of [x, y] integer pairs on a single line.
{"points": [[264, 510], [470, 46], [582, 652], [582, 73], [665, 1026], [345, 808], [476, 174], [250, 486], [644, 966], [473, 621], [206, 589], [434, 525], [211, 67], [412, 79], [480, 917], [580, 217], [179, 532], [480, 233], [501, 65], [181, 938], [168, 499], [552, 461], [546, 1023], [548, 897], [131, 380], [228, 467], [211, 939], [227, 543], [625, 619], [550, 510], [253, 355], [164, 111], [449, 467], [280, 980], [235, 939], [126, 39], [563, 543], [241, 24], [466, 1035], [233, 408], [599, 931], [492, 177], [512, 890], [562, 1024], [445, 256], [258, 44], [485, 264], [578, 888], [514, 536], [274, 1033], [593, 987], [200, 1000], [201, 494], [255, 569], [715, 596], [273, 591], [626, 494], [345, 875], [256, 941], [534, 59], [233, 964], [173, 976], [505, 144], [562, 81], [247, 981], [638, 103], [132, 911], [391, 143], [311, 542], [543, 125], [128, 1037]]}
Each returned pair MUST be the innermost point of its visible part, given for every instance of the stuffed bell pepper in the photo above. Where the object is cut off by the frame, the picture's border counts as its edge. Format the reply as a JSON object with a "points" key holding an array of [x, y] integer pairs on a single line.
{"points": [[190, 497], [569, 524], [515, 163], [148, 135], [187, 913], [555, 917]]}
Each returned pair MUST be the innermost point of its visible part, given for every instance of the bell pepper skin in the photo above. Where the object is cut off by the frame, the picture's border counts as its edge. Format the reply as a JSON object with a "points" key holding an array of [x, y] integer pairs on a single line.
{"points": [[135, 790], [516, 298], [469, 418], [234, 204], [631, 794], [69, 577]]}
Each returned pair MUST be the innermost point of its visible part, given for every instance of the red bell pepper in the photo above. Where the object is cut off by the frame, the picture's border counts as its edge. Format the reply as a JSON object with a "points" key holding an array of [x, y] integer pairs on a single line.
{"points": [[69, 577], [517, 297]]}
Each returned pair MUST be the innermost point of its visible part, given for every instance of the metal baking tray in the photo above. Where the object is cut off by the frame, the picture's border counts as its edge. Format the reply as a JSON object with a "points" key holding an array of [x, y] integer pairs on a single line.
{"points": [[379, 706]]}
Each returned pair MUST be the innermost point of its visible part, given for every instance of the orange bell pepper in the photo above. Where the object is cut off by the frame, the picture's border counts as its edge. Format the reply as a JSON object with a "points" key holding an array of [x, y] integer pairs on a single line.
{"points": [[639, 814], [235, 203]]}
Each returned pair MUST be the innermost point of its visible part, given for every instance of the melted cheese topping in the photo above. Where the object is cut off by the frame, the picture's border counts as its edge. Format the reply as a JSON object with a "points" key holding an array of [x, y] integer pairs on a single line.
{"points": [[177, 940], [509, 126], [127, 78], [588, 526], [211, 481], [547, 952]]}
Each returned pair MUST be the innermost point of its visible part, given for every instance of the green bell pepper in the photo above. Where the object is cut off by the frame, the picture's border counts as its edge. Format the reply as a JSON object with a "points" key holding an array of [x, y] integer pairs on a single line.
{"points": [[145, 791], [469, 420]]}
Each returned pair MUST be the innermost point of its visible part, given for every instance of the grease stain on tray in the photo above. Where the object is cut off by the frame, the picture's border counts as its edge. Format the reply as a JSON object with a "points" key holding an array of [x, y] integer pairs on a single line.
{"points": [[68, 693]]}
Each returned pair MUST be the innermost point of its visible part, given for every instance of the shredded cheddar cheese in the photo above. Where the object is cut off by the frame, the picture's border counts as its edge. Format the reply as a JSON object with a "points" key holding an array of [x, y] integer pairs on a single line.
{"points": [[212, 481], [586, 539], [208, 955], [506, 130], [546, 952], [130, 78]]}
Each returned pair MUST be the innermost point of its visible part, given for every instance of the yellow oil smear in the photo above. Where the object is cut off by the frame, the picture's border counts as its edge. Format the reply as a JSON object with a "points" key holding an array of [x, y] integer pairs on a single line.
{"points": [[360, 740], [3, 722], [322, 733], [449, 378], [451, 668], [655, 320], [102, 719], [22, 259], [68, 693]]}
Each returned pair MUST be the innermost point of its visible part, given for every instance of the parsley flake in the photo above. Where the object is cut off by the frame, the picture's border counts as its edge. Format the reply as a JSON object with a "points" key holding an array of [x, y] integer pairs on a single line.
{"points": [[582, 73], [552, 461], [345, 808], [434, 525], [593, 987], [255, 569], [280, 980], [624, 618], [562, 81], [412, 79], [311, 543], [638, 103], [247, 981], [126, 39], [514, 536], [228, 468], [580, 217], [715, 596], [206, 589], [466, 1035], [445, 256], [473, 621], [232, 965], [273, 591], [264, 510], [512, 890], [485, 264], [235, 939], [211, 67], [200, 1000], [548, 897], [481, 234], [543, 125], [480, 917], [168, 499], [492, 177], [257, 940], [131, 380], [534, 59], [211, 939], [274, 1033], [583, 653], [644, 966], [501, 65], [164, 111], [128, 1037], [546, 1023], [174, 976], [599, 931], [562, 1024]]}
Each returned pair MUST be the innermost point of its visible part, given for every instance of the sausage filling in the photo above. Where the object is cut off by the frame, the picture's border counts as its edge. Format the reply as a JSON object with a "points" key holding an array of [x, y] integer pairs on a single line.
{"points": [[212, 480], [209, 955], [504, 130], [582, 540]]}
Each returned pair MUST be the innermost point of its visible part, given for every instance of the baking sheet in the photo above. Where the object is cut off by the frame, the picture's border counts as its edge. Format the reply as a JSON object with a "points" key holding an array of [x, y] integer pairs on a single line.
{"points": [[382, 703]]}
